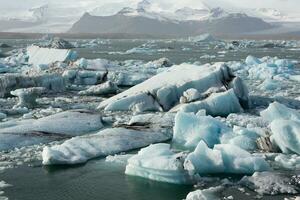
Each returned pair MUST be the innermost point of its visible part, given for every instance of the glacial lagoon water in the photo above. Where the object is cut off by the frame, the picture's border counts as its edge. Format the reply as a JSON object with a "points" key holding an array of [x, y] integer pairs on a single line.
{"points": [[98, 179]]}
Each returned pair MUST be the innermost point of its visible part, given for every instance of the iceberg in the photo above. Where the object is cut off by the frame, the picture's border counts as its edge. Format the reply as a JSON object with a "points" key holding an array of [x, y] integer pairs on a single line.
{"points": [[45, 56], [57, 126], [285, 126], [162, 120], [202, 38], [174, 81], [107, 142], [190, 129], [286, 134], [277, 111], [206, 194], [269, 68], [245, 138], [84, 77], [9, 82], [223, 158], [27, 96], [217, 104], [138, 103], [157, 162]]}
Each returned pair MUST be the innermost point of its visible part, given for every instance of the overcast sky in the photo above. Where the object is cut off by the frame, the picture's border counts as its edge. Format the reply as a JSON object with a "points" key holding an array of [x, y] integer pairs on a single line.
{"points": [[15, 6], [280, 4]]}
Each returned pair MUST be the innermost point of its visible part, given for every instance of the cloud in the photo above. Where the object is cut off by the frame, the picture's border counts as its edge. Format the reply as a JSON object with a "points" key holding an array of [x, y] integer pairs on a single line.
{"points": [[14, 6]]}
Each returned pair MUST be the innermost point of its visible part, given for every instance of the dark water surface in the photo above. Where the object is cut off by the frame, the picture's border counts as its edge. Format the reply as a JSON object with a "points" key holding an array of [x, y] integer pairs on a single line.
{"points": [[95, 180]]}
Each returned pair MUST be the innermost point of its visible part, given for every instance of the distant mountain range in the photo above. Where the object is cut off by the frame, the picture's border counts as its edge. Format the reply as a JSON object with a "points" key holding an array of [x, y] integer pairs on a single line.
{"points": [[140, 22], [146, 18]]}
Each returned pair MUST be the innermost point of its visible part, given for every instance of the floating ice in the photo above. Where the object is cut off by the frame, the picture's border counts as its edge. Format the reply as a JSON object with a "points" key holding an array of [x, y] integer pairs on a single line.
{"points": [[190, 95], [27, 96], [285, 126], [101, 89], [165, 120], [106, 142], [157, 162], [277, 111], [2, 116], [291, 161], [217, 104], [206, 194], [251, 60], [242, 137], [120, 159], [286, 134], [190, 129], [270, 183], [2, 186], [57, 43], [38, 55], [270, 84], [269, 68], [202, 38], [84, 77], [176, 80], [138, 103], [64, 124], [223, 158], [9, 82]]}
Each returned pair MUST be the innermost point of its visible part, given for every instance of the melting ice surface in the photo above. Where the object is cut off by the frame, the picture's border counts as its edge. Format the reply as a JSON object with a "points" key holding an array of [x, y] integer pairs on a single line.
{"points": [[197, 112]]}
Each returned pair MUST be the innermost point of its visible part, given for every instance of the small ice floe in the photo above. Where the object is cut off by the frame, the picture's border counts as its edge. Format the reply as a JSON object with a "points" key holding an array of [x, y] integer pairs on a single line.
{"points": [[158, 162], [84, 77], [269, 68], [107, 142], [140, 50], [190, 95], [101, 89], [285, 126], [10, 82], [44, 56], [205, 194], [204, 38], [162, 120], [58, 126], [217, 104], [27, 96], [2, 186], [270, 183], [119, 159], [190, 129]]}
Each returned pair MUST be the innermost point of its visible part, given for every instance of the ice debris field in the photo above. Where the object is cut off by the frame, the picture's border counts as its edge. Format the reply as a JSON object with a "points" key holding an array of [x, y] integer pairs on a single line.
{"points": [[190, 123]]}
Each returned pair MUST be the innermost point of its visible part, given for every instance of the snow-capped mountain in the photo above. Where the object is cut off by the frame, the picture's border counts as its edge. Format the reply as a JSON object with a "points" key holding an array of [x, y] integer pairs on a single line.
{"points": [[188, 13], [40, 13], [268, 14], [130, 21], [144, 6], [60, 17]]}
